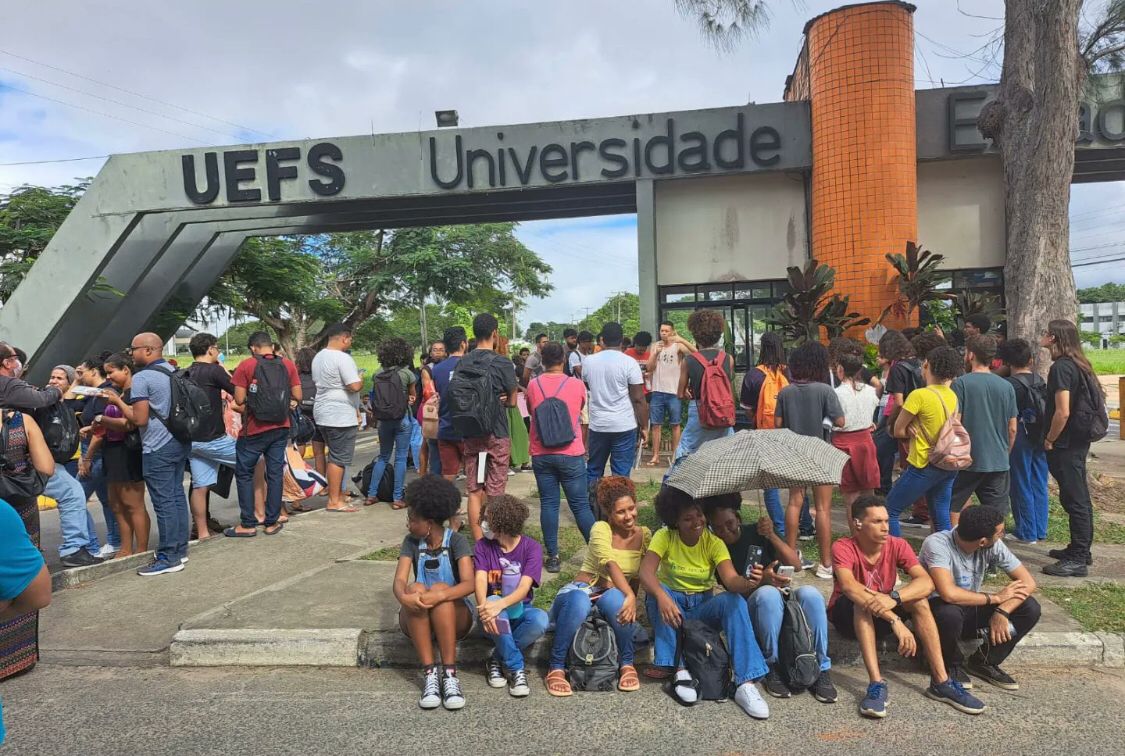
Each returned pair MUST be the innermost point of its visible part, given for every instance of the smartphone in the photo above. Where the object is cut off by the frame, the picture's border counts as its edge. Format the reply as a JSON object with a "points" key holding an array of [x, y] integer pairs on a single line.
{"points": [[785, 571], [85, 391]]}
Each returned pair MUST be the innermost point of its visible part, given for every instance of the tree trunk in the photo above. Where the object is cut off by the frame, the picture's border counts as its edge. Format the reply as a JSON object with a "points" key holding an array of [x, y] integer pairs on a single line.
{"points": [[1034, 123]]}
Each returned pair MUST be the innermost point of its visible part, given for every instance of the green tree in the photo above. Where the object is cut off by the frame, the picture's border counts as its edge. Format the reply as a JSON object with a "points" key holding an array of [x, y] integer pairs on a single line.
{"points": [[29, 217], [1107, 292], [623, 308], [552, 329]]}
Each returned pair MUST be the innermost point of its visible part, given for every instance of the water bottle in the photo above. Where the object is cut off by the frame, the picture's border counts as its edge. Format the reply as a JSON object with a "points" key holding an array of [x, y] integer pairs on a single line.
{"points": [[509, 582]]}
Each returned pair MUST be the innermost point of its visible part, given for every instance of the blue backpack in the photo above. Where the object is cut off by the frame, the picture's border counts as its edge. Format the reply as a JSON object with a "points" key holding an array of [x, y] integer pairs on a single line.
{"points": [[553, 424]]}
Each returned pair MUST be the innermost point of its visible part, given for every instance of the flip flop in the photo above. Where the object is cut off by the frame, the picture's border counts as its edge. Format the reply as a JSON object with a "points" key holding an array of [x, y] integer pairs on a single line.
{"points": [[277, 526], [370, 501], [348, 508], [232, 533], [398, 505], [654, 672]]}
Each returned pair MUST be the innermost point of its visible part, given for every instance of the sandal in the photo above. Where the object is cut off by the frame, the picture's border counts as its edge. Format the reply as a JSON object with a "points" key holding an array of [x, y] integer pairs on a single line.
{"points": [[348, 508], [296, 507], [233, 532], [398, 505], [273, 529], [557, 684], [653, 672], [283, 518], [628, 680], [370, 501]]}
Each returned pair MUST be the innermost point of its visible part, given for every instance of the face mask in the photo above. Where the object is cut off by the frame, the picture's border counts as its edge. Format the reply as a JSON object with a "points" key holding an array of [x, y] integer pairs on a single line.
{"points": [[484, 529]]}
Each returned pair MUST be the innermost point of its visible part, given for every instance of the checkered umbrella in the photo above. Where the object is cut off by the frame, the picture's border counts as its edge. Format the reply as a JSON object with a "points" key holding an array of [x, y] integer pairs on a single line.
{"points": [[758, 459]]}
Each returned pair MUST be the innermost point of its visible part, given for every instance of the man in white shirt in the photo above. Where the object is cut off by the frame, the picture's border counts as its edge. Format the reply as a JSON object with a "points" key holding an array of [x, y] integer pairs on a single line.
{"points": [[617, 407], [336, 409], [664, 367]]}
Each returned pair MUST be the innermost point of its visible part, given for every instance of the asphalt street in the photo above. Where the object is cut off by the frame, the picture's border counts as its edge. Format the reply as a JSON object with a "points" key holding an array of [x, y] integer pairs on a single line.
{"points": [[95, 710]]}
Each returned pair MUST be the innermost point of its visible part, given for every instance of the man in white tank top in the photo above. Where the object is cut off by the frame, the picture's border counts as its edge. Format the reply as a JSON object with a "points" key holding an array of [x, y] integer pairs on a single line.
{"points": [[664, 367]]}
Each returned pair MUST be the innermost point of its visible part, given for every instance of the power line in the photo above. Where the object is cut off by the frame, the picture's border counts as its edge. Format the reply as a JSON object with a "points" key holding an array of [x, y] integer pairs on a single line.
{"points": [[1098, 262], [135, 94], [59, 160], [99, 112]]}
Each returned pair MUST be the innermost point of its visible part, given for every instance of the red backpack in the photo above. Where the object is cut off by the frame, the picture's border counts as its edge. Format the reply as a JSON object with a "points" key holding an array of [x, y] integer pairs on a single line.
{"points": [[716, 399]]}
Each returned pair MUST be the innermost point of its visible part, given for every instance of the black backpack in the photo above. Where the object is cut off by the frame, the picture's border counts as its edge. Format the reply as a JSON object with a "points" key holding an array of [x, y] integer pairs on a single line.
{"points": [[796, 647], [472, 400], [553, 424], [592, 659], [701, 650], [386, 490], [301, 427], [60, 430], [190, 415], [1089, 418], [388, 396], [267, 399], [1031, 406]]}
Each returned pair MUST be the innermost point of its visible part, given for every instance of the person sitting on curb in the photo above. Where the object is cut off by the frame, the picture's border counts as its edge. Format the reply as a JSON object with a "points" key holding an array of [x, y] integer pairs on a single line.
{"points": [[756, 553], [866, 606], [957, 561], [508, 567], [678, 574], [436, 604], [607, 582]]}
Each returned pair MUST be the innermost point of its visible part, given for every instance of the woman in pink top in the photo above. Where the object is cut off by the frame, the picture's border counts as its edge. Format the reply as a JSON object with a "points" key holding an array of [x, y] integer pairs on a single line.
{"points": [[558, 457]]}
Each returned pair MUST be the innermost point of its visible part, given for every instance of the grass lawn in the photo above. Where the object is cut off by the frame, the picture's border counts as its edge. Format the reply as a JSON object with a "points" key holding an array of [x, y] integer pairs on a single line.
{"points": [[1107, 361], [1058, 525], [1096, 606], [545, 595]]}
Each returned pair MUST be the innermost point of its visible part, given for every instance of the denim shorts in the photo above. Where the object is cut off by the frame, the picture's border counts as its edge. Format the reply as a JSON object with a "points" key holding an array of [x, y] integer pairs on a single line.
{"points": [[664, 407]]}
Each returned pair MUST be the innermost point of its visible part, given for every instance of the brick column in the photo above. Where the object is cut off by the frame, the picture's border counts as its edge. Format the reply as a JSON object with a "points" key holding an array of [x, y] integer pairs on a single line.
{"points": [[864, 175]]}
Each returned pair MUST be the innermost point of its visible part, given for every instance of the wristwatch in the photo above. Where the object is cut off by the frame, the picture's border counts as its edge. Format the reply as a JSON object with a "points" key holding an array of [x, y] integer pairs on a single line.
{"points": [[897, 599]]}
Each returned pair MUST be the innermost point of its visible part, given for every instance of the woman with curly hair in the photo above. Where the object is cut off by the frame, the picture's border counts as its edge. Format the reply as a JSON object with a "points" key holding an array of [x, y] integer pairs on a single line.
{"points": [[607, 582], [395, 356], [707, 327], [436, 604], [679, 574], [509, 566]]}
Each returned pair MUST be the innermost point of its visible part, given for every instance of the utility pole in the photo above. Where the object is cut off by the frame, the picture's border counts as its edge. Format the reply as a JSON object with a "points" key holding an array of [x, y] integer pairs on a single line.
{"points": [[422, 324]]}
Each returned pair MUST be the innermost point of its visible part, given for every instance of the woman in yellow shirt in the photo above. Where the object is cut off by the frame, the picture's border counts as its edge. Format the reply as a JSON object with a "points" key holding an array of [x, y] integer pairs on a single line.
{"points": [[678, 574], [921, 419], [607, 581]]}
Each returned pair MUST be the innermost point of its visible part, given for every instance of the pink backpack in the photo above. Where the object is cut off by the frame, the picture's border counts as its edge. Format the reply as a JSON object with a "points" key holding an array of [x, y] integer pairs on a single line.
{"points": [[952, 449], [716, 399]]}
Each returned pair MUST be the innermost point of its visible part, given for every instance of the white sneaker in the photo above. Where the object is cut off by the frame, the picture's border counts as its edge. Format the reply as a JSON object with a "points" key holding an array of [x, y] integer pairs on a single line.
{"points": [[684, 693], [751, 701], [518, 688], [451, 696], [107, 551], [431, 689], [824, 572], [494, 673]]}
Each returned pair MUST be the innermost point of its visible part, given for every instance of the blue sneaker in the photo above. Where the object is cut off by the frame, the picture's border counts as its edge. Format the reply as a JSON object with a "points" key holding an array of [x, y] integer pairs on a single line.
{"points": [[952, 693], [159, 566], [874, 704]]}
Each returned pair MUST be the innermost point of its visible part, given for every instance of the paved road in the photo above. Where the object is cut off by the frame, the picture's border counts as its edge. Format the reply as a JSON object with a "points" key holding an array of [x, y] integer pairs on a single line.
{"points": [[58, 709]]}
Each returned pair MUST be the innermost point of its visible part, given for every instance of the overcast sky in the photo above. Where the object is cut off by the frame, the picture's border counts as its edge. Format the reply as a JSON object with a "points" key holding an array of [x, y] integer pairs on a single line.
{"points": [[219, 72]]}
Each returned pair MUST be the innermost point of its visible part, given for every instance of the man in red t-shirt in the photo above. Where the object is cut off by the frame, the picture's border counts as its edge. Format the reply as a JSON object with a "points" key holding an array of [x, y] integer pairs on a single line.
{"points": [[260, 383], [865, 605]]}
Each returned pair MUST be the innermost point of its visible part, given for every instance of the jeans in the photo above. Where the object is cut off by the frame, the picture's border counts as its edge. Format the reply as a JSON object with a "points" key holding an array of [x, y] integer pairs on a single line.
{"points": [[394, 436], [416, 441], [248, 450], [929, 481], [96, 483], [664, 406], [726, 612], [767, 606], [207, 456], [886, 448], [772, 498], [570, 610], [551, 471], [1029, 490], [956, 622], [619, 448], [75, 522], [525, 631], [435, 457], [1068, 468], [695, 435], [164, 477]]}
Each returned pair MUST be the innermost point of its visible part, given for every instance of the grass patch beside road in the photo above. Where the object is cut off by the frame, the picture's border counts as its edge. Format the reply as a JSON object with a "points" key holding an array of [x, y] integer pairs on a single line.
{"points": [[1107, 361], [1058, 525], [1096, 606], [386, 554]]}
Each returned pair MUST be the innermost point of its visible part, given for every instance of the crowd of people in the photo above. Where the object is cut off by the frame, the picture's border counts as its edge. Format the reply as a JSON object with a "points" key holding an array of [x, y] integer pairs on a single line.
{"points": [[959, 422]]}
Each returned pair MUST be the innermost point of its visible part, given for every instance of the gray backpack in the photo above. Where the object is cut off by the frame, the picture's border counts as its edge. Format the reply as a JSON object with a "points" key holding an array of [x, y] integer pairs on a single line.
{"points": [[592, 659], [796, 652]]}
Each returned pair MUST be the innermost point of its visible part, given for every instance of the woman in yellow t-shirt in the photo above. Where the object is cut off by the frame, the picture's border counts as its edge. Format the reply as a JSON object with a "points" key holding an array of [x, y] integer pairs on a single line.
{"points": [[921, 419], [678, 574], [607, 581]]}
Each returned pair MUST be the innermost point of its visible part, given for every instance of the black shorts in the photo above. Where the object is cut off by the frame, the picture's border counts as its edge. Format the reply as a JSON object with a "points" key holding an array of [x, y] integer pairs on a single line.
{"points": [[842, 615], [121, 464]]}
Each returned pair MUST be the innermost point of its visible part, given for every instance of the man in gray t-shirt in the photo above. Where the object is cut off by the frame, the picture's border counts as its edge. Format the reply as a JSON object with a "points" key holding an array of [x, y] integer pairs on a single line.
{"points": [[957, 561], [533, 368], [336, 408]]}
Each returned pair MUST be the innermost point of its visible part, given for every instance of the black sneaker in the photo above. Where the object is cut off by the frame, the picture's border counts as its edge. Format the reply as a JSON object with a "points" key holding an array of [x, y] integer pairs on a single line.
{"points": [[494, 673], [553, 564], [774, 685], [1064, 555], [990, 673], [1066, 568], [80, 558], [823, 690], [916, 522], [959, 675]]}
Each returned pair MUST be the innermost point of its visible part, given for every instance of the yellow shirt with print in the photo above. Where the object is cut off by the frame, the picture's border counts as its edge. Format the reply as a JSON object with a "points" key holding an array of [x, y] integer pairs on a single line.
{"points": [[688, 569], [929, 416]]}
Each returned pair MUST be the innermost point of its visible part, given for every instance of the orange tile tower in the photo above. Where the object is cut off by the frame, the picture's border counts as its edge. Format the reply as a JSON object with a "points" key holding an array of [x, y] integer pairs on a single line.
{"points": [[857, 72]]}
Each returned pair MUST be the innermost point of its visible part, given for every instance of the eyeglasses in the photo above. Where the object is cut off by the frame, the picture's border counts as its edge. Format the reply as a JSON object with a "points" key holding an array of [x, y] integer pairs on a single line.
{"points": [[130, 349]]}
